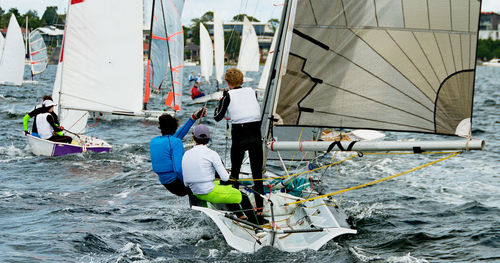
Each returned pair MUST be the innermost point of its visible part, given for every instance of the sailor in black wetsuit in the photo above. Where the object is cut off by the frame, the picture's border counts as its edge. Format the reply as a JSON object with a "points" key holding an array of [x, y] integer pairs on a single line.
{"points": [[34, 113], [47, 128], [243, 109]]}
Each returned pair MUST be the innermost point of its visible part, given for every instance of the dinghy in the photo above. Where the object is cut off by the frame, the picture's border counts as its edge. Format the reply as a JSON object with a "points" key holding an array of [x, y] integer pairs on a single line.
{"points": [[208, 55], [364, 65]]}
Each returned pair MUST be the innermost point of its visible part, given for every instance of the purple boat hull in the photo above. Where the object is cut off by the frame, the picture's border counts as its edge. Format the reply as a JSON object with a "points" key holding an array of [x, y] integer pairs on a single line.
{"points": [[98, 149], [63, 149]]}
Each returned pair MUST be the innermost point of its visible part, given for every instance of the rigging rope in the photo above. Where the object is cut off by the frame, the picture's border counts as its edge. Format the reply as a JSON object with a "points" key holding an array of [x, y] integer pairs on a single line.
{"points": [[375, 181]]}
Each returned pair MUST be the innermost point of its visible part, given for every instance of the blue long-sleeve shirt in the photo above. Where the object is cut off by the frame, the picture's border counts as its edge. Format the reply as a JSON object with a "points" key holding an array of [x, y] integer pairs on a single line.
{"points": [[166, 154]]}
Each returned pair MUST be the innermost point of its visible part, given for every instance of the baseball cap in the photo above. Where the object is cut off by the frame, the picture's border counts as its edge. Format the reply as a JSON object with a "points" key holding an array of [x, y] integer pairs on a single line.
{"points": [[48, 103], [201, 131]]}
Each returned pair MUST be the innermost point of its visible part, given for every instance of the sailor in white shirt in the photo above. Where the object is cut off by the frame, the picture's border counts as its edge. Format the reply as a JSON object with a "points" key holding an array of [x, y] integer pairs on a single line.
{"points": [[199, 166]]}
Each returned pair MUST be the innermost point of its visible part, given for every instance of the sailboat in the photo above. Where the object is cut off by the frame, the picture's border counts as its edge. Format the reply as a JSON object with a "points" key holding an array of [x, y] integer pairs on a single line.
{"points": [[38, 55], [249, 56], [12, 55], [91, 66], [353, 64], [208, 55], [164, 65]]}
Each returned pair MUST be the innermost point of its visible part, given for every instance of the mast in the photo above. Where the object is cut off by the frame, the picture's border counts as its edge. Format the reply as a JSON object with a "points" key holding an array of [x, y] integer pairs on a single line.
{"points": [[169, 54], [147, 89]]}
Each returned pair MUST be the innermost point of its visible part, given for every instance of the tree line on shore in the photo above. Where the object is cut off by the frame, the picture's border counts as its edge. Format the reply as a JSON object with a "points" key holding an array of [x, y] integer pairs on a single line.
{"points": [[488, 49], [49, 17]]}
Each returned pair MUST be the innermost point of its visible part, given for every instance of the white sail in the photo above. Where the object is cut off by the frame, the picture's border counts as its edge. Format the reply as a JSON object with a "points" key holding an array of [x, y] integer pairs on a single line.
{"points": [[267, 67], [387, 65], [38, 53], [248, 58], [12, 59], [206, 53], [2, 42], [103, 51], [218, 48]]}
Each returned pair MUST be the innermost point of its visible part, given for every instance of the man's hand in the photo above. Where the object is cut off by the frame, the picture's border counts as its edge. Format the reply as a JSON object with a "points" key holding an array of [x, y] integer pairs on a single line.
{"points": [[61, 127], [26, 132], [202, 112]]}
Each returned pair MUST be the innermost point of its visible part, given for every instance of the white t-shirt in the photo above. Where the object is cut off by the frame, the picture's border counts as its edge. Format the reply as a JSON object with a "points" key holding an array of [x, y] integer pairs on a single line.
{"points": [[243, 106], [198, 169]]}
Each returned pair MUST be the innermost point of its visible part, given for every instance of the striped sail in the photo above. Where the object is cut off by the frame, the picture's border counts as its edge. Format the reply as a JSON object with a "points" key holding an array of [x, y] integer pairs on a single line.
{"points": [[166, 62], [404, 65], [2, 42], [103, 65], [38, 53], [206, 54]]}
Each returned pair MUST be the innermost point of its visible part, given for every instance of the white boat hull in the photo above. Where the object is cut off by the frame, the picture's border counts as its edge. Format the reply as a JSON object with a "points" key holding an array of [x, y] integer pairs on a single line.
{"points": [[144, 115], [49, 148], [209, 97], [309, 226]]}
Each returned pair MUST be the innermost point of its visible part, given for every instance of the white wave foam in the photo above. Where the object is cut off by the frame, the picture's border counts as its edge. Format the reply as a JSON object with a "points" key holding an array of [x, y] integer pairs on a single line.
{"points": [[406, 259], [362, 254], [11, 151]]}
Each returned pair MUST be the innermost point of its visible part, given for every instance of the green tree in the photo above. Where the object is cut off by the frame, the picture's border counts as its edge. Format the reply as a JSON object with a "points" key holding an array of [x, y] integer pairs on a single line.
{"points": [[195, 25], [274, 23], [33, 20], [50, 16], [239, 18]]}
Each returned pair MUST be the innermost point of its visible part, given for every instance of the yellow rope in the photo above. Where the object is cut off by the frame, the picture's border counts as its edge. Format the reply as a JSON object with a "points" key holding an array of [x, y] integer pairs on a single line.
{"points": [[290, 175], [376, 181]]}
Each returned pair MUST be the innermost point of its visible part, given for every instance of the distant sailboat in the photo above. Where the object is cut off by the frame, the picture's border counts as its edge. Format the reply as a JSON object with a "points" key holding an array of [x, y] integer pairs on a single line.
{"points": [[249, 56], [206, 54], [38, 55], [12, 57], [166, 54]]}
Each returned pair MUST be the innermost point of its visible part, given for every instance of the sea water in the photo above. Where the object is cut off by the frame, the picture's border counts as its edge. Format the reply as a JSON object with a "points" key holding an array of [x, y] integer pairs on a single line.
{"points": [[111, 207]]}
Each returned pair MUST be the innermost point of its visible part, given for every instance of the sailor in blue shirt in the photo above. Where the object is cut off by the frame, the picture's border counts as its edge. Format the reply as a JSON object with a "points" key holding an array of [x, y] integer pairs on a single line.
{"points": [[167, 151]]}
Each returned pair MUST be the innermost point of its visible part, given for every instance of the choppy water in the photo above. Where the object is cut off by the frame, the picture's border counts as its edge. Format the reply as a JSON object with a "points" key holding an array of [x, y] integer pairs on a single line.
{"points": [[111, 207]]}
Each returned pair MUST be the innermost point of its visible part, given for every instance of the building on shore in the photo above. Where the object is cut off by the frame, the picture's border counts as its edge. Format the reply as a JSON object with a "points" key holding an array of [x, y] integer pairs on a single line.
{"points": [[489, 26]]}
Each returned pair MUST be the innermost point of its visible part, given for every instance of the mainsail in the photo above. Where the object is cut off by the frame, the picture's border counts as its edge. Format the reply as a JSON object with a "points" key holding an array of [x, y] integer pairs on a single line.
{"points": [[248, 58], [102, 54], [388, 65], [166, 52], [38, 53], [206, 53], [12, 57], [218, 48]]}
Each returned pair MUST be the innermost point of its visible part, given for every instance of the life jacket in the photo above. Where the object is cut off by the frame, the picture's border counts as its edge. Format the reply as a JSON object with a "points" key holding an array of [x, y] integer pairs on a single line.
{"points": [[243, 106], [43, 126]]}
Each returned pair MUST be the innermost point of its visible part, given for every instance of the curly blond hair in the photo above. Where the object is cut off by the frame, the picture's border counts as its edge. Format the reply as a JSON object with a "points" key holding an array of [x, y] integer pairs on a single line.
{"points": [[234, 77]]}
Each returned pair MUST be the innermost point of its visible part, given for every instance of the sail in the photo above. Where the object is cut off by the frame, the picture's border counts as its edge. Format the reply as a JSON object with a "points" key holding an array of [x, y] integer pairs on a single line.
{"points": [[166, 63], [38, 53], [218, 48], [206, 53], [12, 59], [2, 42], [103, 66], [248, 58], [390, 65], [264, 77]]}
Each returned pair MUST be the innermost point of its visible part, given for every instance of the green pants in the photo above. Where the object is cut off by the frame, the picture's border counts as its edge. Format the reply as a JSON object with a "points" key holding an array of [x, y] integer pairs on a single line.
{"points": [[222, 194]]}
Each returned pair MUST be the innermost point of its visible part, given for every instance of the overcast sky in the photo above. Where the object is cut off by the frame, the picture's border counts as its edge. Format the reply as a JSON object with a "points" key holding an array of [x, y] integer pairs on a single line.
{"points": [[226, 9]]}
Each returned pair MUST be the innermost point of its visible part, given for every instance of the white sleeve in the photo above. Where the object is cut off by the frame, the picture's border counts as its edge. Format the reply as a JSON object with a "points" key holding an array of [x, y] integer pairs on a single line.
{"points": [[219, 167]]}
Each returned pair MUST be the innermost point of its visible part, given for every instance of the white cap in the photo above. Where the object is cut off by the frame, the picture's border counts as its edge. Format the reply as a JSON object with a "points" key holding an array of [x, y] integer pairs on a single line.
{"points": [[48, 103]]}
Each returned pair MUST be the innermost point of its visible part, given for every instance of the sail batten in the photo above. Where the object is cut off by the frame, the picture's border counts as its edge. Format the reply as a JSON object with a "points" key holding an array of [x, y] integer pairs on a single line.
{"points": [[390, 65]]}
